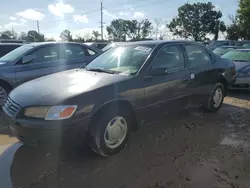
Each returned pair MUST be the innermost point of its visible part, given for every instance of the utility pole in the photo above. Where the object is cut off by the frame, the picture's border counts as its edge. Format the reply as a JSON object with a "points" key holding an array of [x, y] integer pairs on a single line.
{"points": [[101, 21], [12, 30], [38, 27]]}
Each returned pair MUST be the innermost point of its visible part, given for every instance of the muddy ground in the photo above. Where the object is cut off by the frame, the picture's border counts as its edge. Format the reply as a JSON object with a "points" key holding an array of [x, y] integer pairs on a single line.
{"points": [[189, 150]]}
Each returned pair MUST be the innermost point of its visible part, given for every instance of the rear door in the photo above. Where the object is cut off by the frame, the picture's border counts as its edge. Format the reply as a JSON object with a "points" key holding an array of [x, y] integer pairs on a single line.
{"points": [[202, 71], [169, 92]]}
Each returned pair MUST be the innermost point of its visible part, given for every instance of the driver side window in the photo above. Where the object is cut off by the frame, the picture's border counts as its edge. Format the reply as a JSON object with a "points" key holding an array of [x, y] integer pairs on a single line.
{"points": [[45, 54], [169, 57]]}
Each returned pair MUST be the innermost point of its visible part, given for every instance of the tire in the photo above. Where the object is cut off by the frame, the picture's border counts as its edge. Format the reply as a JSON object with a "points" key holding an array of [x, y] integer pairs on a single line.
{"points": [[4, 91], [210, 105], [98, 131]]}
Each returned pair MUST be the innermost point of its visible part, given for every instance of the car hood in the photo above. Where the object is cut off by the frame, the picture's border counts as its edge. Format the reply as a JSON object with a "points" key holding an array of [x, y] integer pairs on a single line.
{"points": [[51, 89], [239, 65]]}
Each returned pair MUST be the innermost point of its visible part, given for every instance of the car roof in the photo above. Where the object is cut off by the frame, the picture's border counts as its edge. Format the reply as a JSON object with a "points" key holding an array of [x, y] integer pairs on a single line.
{"points": [[243, 50], [156, 42], [229, 46]]}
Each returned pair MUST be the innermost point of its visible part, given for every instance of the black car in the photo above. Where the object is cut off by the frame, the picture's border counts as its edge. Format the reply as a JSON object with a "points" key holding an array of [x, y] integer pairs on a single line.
{"points": [[123, 87], [8, 47]]}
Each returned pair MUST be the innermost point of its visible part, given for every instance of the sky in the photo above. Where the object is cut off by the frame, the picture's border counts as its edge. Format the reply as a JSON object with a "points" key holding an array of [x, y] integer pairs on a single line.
{"points": [[81, 17]]}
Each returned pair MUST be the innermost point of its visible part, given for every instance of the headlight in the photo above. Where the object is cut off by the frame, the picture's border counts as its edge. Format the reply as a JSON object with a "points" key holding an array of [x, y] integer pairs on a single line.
{"points": [[51, 113]]}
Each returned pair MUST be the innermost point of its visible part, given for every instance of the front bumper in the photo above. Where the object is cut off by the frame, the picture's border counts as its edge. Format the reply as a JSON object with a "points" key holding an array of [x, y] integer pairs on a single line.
{"points": [[242, 83], [34, 132]]}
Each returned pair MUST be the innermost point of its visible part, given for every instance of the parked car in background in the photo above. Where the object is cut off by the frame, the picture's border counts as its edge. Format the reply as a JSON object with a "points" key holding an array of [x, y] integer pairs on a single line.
{"points": [[241, 43], [246, 45], [125, 85], [224, 49], [241, 59], [218, 43], [8, 47], [99, 45], [39, 59], [12, 41]]}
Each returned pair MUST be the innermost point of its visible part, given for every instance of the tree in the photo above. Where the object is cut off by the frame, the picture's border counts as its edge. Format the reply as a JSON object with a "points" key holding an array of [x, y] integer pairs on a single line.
{"points": [[138, 30], [79, 39], [244, 19], [234, 30], [196, 21], [34, 36], [22, 36], [66, 35], [117, 30], [96, 35], [50, 39], [8, 35]]}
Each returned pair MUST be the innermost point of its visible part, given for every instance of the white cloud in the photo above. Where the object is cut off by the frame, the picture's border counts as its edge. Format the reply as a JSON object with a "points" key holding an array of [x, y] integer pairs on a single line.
{"points": [[23, 21], [124, 13], [80, 18], [60, 9], [129, 7], [31, 14], [109, 14], [12, 18], [138, 15]]}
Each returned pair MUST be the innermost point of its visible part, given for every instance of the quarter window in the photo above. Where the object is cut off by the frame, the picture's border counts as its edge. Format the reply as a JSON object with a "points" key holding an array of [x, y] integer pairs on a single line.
{"points": [[196, 56], [170, 57]]}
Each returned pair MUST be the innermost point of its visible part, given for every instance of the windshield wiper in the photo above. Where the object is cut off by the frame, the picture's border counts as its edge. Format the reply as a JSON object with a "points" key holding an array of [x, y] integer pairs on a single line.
{"points": [[101, 70]]}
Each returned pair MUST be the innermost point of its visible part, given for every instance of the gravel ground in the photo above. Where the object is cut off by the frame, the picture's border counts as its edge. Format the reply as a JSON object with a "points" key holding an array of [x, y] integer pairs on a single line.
{"points": [[191, 149]]}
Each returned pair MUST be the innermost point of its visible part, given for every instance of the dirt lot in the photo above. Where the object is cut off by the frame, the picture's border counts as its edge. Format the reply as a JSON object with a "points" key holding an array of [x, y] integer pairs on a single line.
{"points": [[191, 149]]}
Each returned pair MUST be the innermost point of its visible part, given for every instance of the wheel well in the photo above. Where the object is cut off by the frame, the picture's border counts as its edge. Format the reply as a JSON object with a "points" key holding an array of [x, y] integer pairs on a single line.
{"points": [[6, 85], [117, 104], [224, 82]]}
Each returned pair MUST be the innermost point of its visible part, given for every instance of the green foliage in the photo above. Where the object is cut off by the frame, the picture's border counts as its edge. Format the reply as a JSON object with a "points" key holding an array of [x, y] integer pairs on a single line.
{"points": [[196, 21], [34, 36], [234, 31], [8, 35], [66, 35], [244, 18], [120, 30]]}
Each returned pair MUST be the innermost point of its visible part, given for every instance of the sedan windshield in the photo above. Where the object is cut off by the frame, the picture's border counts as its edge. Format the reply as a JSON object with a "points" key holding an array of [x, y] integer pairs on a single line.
{"points": [[221, 50], [237, 55], [15, 54], [126, 59]]}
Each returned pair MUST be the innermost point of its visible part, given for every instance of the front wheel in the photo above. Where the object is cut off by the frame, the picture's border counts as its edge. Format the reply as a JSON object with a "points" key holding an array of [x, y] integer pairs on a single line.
{"points": [[3, 95], [215, 99], [108, 134]]}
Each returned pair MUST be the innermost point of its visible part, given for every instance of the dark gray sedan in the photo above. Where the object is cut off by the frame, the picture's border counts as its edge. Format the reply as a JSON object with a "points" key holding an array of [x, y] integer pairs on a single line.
{"points": [[39, 59], [127, 85]]}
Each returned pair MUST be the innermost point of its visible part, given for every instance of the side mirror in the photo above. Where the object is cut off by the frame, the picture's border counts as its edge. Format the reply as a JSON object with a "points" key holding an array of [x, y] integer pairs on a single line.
{"points": [[27, 59], [159, 71]]}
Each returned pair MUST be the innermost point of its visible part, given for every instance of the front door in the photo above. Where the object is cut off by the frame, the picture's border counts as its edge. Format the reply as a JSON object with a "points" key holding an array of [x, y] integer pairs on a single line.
{"points": [[167, 92]]}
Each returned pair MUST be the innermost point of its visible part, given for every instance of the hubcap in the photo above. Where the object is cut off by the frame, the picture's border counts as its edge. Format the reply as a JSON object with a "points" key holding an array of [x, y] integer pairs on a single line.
{"points": [[217, 97], [115, 132], [3, 95]]}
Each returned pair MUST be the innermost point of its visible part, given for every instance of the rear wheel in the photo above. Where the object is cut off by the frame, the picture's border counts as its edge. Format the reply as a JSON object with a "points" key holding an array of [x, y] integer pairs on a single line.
{"points": [[215, 99], [108, 134]]}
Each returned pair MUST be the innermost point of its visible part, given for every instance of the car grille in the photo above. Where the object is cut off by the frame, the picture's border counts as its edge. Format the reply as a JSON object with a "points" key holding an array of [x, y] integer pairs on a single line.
{"points": [[11, 107]]}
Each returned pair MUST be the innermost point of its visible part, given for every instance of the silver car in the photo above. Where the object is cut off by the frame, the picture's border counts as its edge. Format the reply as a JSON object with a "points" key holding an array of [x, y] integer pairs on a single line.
{"points": [[241, 59], [34, 60]]}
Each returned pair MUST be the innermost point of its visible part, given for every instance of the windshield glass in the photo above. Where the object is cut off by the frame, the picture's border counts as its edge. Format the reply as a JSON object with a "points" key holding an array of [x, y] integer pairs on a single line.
{"points": [[15, 54], [238, 55], [122, 59], [221, 50]]}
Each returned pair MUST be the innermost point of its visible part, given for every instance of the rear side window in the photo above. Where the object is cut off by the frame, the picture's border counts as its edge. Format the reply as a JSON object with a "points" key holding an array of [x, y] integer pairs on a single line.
{"points": [[197, 56], [6, 49]]}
